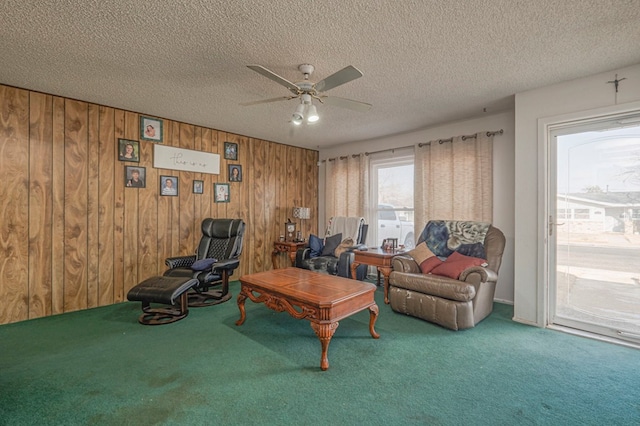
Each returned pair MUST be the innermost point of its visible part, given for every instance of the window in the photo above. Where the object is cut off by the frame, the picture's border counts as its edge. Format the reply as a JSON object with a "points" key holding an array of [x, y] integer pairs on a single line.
{"points": [[392, 198]]}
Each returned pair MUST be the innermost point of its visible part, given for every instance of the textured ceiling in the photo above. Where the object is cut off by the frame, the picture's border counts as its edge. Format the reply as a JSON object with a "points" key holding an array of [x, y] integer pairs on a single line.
{"points": [[424, 62]]}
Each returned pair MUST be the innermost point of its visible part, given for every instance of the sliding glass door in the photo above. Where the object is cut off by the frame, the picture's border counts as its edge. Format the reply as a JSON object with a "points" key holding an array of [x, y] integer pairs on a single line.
{"points": [[594, 227]]}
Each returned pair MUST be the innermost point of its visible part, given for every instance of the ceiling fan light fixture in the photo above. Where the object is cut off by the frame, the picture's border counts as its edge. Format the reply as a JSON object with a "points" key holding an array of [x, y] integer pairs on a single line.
{"points": [[312, 114], [298, 115]]}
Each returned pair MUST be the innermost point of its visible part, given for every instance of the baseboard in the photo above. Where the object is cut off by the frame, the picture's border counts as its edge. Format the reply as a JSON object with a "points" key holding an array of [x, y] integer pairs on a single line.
{"points": [[594, 336], [504, 301], [526, 322]]}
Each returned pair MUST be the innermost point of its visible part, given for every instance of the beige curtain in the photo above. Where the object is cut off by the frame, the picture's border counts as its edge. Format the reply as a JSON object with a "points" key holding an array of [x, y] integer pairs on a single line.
{"points": [[454, 180], [347, 186]]}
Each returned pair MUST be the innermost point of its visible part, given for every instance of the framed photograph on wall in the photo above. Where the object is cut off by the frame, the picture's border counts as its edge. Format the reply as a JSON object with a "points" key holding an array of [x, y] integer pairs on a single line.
{"points": [[135, 177], [198, 186], [235, 173], [230, 151], [128, 150], [169, 186], [150, 129], [221, 192]]}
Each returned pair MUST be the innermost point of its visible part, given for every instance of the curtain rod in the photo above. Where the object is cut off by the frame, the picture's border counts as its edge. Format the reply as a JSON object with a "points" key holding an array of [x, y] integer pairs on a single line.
{"points": [[420, 145], [464, 138]]}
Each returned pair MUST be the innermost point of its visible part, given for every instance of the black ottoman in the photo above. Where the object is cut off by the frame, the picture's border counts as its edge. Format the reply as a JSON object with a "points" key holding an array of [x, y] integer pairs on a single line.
{"points": [[164, 290]]}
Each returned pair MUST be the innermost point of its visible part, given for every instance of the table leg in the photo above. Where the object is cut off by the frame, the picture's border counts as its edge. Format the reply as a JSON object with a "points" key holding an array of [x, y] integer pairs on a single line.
{"points": [[324, 333], [292, 256], [385, 273], [373, 316], [242, 297], [274, 258]]}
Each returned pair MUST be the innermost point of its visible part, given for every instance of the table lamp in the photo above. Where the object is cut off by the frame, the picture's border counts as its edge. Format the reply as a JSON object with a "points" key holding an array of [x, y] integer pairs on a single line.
{"points": [[301, 213]]}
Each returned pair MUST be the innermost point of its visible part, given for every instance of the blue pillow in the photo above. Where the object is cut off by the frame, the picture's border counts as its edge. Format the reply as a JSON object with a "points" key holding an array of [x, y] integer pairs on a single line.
{"points": [[331, 244], [316, 245], [203, 264]]}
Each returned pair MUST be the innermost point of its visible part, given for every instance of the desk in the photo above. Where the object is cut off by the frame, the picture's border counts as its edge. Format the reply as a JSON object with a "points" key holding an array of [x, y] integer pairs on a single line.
{"points": [[286, 247], [380, 259]]}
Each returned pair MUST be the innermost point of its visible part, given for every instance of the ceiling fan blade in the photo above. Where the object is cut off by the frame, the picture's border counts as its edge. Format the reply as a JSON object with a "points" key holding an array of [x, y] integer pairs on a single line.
{"points": [[266, 101], [275, 77], [343, 76], [347, 103]]}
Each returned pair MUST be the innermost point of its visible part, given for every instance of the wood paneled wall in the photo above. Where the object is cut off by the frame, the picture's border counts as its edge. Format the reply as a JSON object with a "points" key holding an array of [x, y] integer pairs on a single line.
{"points": [[72, 236]]}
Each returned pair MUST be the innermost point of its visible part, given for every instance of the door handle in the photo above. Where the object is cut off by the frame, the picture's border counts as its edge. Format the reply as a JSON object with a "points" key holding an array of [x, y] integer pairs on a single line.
{"points": [[551, 225]]}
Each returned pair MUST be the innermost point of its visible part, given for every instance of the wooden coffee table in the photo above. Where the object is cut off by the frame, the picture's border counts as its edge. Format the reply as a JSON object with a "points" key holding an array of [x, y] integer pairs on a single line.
{"points": [[322, 299]]}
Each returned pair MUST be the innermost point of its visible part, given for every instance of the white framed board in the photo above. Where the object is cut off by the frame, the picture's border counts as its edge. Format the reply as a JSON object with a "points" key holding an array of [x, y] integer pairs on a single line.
{"points": [[187, 160]]}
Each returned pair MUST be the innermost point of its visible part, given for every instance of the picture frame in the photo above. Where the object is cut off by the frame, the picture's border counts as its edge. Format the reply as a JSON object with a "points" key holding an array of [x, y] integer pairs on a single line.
{"points": [[169, 186], [198, 186], [150, 129], [230, 151], [133, 181], [128, 150], [221, 193], [235, 173]]}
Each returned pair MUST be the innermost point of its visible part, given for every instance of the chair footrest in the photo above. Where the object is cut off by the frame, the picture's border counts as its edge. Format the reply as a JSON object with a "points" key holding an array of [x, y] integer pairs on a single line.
{"points": [[165, 290], [161, 289]]}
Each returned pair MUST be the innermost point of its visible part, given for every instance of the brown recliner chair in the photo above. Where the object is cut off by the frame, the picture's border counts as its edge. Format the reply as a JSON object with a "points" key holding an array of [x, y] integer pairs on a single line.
{"points": [[452, 303]]}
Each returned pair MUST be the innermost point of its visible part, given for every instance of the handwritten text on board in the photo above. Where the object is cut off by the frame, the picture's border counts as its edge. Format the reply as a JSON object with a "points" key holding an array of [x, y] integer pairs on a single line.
{"points": [[188, 160]]}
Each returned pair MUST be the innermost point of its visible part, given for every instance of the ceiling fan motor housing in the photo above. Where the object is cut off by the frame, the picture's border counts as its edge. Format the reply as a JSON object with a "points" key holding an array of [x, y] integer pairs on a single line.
{"points": [[306, 69]]}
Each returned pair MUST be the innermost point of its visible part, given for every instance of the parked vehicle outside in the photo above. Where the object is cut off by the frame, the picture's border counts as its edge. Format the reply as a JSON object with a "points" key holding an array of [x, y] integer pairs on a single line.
{"points": [[393, 222]]}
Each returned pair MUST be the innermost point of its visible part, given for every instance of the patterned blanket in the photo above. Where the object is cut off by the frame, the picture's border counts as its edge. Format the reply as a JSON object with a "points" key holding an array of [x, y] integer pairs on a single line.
{"points": [[443, 237]]}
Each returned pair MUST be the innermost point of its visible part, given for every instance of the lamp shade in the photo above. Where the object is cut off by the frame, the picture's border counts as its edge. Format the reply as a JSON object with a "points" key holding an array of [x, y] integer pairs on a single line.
{"points": [[312, 114], [298, 115], [302, 212]]}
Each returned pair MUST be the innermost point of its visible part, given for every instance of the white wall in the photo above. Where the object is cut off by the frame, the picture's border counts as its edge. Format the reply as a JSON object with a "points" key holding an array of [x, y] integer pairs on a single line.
{"points": [[579, 98], [503, 175]]}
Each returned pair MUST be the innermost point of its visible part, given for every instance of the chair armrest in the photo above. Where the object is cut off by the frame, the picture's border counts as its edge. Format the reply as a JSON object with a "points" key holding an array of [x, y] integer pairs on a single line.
{"points": [[403, 263], [180, 261], [228, 264], [482, 275], [302, 254], [344, 264]]}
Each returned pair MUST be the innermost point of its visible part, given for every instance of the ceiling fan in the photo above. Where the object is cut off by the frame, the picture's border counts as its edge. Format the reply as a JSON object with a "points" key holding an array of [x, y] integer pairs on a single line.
{"points": [[306, 91]]}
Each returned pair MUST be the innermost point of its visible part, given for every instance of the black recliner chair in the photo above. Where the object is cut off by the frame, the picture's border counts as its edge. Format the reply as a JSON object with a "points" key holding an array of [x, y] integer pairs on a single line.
{"points": [[214, 262]]}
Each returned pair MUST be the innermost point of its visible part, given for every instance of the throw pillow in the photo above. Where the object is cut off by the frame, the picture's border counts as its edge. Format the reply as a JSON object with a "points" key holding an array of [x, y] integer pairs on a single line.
{"points": [[203, 264], [428, 265], [331, 243], [420, 253], [316, 245], [455, 264], [344, 245]]}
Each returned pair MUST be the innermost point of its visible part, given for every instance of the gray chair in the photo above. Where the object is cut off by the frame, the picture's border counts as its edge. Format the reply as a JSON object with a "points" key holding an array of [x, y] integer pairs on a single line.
{"points": [[332, 265], [221, 240]]}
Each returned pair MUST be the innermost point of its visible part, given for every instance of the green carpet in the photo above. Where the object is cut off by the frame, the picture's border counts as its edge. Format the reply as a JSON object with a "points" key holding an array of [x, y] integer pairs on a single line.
{"points": [[100, 367]]}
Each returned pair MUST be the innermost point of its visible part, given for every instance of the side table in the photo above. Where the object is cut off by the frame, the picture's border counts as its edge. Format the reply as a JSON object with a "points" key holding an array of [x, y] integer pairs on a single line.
{"points": [[289, 247], [380, 259]]}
